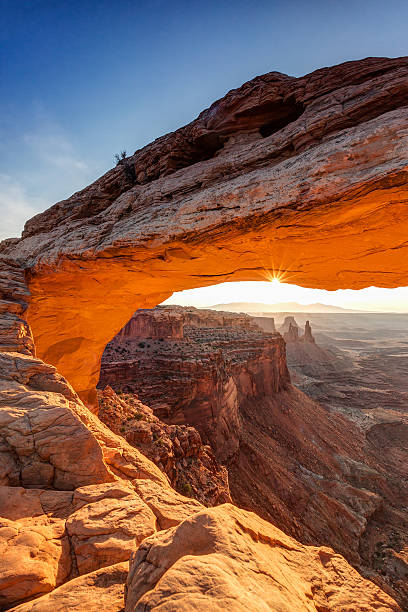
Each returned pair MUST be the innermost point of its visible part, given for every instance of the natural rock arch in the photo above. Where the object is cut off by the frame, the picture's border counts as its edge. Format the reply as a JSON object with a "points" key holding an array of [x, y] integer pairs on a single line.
{"points": [[303, 177]]}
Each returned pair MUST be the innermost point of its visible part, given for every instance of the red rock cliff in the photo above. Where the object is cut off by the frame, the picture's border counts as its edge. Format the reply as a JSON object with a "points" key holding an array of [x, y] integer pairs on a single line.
{"points": [[309, 172], [155, 323], [200, 378], [176, 449], [282, 169], [288, 459]]}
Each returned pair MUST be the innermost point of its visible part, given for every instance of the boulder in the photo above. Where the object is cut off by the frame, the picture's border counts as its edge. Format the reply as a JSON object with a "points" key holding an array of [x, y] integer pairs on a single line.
{"points": [[99, 590], [226, 558]]}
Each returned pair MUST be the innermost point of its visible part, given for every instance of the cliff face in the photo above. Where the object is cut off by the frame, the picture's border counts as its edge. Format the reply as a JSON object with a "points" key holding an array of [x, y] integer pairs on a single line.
{"points": [[160, 324], [265, 323], [200, 378], [169, 322], [288, 459], [75, 499], [282, 169]]}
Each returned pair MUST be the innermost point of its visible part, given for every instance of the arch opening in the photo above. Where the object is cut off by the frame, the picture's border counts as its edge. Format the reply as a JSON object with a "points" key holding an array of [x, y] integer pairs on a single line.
{"points": [[76, 308]]}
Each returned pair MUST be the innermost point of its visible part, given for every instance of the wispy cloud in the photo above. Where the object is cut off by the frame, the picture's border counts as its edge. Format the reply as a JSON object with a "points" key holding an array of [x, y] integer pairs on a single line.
{"points": [[15, 207], [39, 168], [52, 147]]}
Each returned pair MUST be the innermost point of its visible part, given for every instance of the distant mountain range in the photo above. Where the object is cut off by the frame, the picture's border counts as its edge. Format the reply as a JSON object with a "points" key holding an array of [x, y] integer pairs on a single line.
{"points": [[251, 307]]}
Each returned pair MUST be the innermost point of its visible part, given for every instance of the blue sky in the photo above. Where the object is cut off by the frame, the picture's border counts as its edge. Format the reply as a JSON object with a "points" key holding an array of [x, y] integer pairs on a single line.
{"points": [[81, 80]]}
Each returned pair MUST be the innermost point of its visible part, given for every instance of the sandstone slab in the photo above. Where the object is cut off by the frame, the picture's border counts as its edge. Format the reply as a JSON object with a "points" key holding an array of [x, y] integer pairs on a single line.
{"points": [[34, 558], [108, 530], [227, 558], [94, 592], [302, 177], [169, 507]]}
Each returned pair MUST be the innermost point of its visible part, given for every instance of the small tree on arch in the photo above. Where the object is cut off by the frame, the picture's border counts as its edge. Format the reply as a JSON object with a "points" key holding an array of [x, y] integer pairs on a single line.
{"points": [[120, 157]]}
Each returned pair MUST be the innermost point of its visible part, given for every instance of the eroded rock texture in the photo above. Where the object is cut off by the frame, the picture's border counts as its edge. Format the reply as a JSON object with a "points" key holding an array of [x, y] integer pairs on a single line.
{"points": [[226, 558], [99, 590], [306, 176], [176, 449], [201, 378], [303, 176], [73, 497]]}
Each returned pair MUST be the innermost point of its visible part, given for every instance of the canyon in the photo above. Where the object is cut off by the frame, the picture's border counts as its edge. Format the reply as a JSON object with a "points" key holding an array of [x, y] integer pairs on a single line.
{"points": [[196, 378], [299, 466], [307, 176]]}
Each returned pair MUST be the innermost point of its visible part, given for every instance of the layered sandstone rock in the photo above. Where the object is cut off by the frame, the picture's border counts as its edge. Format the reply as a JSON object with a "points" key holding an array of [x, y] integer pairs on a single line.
{"points": [[153, 324], [265, 323], [48, 537], [15, 334], [70, 498], [198, 380], [303, 469], [168, 322], [308, 172], [99, 590], [35, 558]]}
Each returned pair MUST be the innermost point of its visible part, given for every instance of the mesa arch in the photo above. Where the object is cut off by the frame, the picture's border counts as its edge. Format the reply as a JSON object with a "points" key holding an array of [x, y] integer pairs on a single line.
{"points": [[303, 176]]}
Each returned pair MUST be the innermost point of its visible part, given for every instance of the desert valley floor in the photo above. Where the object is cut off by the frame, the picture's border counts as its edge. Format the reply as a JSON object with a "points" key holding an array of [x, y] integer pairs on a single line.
{"points": [[372, 368]]}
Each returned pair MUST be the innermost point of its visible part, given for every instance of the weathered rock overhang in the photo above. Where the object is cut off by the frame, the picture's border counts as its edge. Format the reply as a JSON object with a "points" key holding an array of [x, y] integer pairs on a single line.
{"points": [[305, 178]]}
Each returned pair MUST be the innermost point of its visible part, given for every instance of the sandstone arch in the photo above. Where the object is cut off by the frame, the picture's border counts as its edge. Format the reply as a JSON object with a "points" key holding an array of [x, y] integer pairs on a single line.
{"points": [[304, 177]]}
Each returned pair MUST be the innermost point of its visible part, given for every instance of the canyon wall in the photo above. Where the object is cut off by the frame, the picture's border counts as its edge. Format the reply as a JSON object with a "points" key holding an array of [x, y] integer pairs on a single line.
{"points": [[197, 379], [265, 323], [163, 322], [77, 501], [177, 450], [300, 467], [153, 324]]}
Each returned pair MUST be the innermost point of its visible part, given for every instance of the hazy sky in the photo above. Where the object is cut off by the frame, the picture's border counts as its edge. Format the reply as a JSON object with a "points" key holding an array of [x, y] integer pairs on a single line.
{"points": [[372, 298], [83, 79]]}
